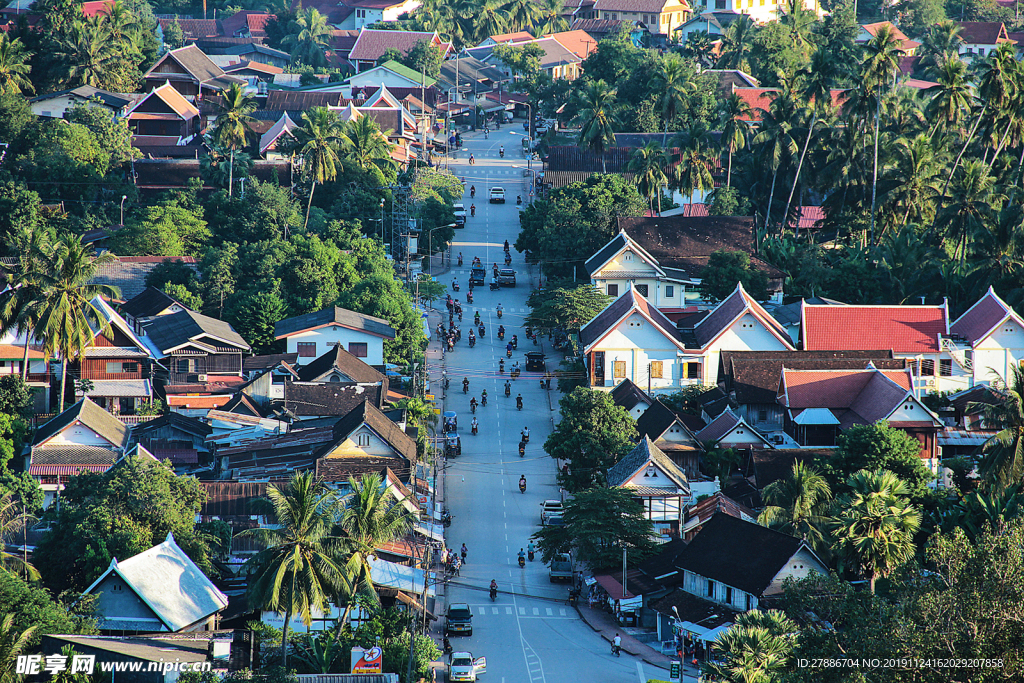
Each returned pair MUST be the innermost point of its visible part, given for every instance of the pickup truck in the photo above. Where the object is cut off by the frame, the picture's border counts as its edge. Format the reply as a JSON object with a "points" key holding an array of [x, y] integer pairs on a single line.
{"points": [[506, 277], [549, 507], [560, 568], [460, 215], [463, 667], [459, 619], [497, 195]]}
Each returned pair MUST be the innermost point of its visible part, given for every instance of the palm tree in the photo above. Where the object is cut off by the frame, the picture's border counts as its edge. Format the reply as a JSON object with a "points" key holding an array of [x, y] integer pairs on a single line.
{"points": [[490, 19], [522, 14], [372, 516], [14, 66], [19, 302], [913, 177], [233, 127], [297, 572], [952, 96], [597, 117], [969, 209], [797, 505], [648, 166], [778, 124], [816, 90], [12, 523], [309, 34], [699, 48], [550, 19], [757, 649], [673, 83], [87, 54], [874, 525], [941, 44], [121, 25], [799, 21], [317, 141], [736, 117], [12, 644], [1003, 462], [996, 80], [736, 44], [369, 149], [68, 318]]}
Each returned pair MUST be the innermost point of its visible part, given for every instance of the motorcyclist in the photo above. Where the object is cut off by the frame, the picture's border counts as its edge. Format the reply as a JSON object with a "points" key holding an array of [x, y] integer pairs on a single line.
{"points": [[501, 312], [519, 199], [483, 397], [465, 384], [526, 434], [522, 485], [530, 549], [494, 269], [472, 403], [455, 283], [460, 258], [501, 151], [501, 366], [508, 349], [506, 245], [508, 388], [519, 401], [447, 645], [476, 318], [515, 341], [472, 191], [472, 210], [501, 330], [475, 425], [494, 589], [522, 555], [472, 159]]}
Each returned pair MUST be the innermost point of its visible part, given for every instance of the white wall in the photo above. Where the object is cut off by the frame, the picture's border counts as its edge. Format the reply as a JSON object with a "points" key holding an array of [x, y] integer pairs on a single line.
{"points": [[801, 565], [1000, 351], [746, 334], [698, 585], [637, 342], [325, 337], [78, 435]]}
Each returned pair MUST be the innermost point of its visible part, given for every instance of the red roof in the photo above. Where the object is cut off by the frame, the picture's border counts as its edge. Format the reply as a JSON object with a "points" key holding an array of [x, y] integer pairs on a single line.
{"points": [[760, 99], [901, 329], [64, 470], [186, 401], [810, 217], [854, 396], [580, 43], [253, 22], [980, 319], [695, 210], [91, 9], [983, 32], [372, 43]]}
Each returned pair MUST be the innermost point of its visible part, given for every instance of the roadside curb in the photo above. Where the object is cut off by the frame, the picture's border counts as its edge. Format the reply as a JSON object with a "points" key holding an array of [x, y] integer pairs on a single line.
{"points": [[642, 657]]}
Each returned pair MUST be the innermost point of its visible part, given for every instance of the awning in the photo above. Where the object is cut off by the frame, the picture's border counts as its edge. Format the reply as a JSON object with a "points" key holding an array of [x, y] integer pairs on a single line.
{"points": [[816, 416], [434, 532], [701, 633], [400, 577], [613, 586]]}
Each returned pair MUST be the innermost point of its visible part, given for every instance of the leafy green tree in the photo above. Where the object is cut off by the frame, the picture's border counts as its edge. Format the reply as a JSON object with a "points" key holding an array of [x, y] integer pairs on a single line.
{"points": [[433, 183], [13, 644], [725, 269], [255, 313], [218, 267], [876, 447], [648, 166], [162, 230], [436, 219], [384, 297], [1003, 462], [15, 397], [308, 37], [310, 277], [173, 271], [14, 66], [551, 18], [798, 505], [298, 571], [725, 201], [88, 57], [591, 436], [32, 606], [174, 36], [737, 44], [119, 513], [424, 57], [368, 149], [564, 309], [735, 119], [183, 295], [222, 167], [874, 526], [758, 648], [522, 60], [597, 118], [14, 520], [685, 400], [600, 523], [317, 140]]}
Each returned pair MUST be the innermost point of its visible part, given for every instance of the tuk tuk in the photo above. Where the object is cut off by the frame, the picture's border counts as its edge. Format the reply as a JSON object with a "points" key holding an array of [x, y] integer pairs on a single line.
{"points": [[452, 445], [535, 361], [449, 422]]}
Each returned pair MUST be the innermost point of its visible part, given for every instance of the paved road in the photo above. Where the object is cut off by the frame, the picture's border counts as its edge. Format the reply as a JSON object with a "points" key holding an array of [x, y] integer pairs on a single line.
{"points": [[529, 634]]}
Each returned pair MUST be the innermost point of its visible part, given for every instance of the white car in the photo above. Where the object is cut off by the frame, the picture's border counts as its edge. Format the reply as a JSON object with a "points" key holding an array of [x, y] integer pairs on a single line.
{"points": [[462, 667], [497, 195], [460, 215], [549, 508]]}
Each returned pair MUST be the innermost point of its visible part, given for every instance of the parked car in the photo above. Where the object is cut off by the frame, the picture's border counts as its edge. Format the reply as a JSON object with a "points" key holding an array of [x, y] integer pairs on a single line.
{"points": [[459, 619], [560, 568], [464, 668], [550, 507]]}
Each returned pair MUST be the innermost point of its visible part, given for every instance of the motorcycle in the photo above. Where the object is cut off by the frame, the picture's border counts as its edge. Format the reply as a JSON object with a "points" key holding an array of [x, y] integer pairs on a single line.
{"points": [[474, 429], [522, 489], [469, 300], [455, 286], [542, 383], [472, 407], [447, 647], [446, 518], [522, 449], [483, 400], [526, 437], [501, 334], [501, 153], [519, 403], [519, 200], [508, 390], [460, 260], [508, 353], [522, 562], [530, 554], [472, 342], [494, 288], [476, 319], [465, 386], [508, 260], [501, 367], [515, 343], [472, 195], [472, 160], [500, 311], [494, 594], [482, 330], [615, 650]]}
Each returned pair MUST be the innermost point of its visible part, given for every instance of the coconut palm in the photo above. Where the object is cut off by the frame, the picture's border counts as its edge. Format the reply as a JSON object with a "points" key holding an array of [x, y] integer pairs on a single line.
{"points": [[673, 82], [369, 149], [648, 166], [737, 42], [951, 96], [699, 48], [121, 25], [14, 66], [87, 54], [12, 644], [309, 35], [1003, 463], [13, 522], [914, 178], [67, 318], [816, 91], [776, 138], [874, 524], [233, 127], [317, 142], [522, 14], [490, 19], [798, 504], [881, 61], [692, 173], [371, 516], [969, 208], [757, 649], [550, 18], [19, 302], [298, 571], [735, 120], [597, 118], [941, 44]]}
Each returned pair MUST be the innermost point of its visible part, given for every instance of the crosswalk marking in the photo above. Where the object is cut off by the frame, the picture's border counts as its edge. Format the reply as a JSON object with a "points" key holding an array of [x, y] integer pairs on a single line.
{"points": [[483, 610], [494, 610], [550, 612], [536, 611], [561, 611], [508, 610]]}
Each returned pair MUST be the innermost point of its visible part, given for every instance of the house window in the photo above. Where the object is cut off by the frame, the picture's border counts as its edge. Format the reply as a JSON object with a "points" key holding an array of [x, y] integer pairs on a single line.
{"points": [[927, 367], [642, 290], [711, 588], [361, 13], [728, 595], [613, 290], [129, 367], [306, 349], [670, 291], [114, 368], [693, 371], [945, 367], [627, 256], [357, 349], [762, 416], [618, 368], [183, 366], [657, 369], [750, 602], [362, 439]]}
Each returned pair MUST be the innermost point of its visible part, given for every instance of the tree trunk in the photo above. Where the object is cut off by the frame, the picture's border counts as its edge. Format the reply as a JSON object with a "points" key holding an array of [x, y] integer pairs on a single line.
{"points": [[309, 206], [800, 165], [604, 163], [24, 358], [284, 637], [63, 381], [970, 136], [1006, 136], [874, 173], [728, 172], [771, 195], [872, 582], [664, 136]]}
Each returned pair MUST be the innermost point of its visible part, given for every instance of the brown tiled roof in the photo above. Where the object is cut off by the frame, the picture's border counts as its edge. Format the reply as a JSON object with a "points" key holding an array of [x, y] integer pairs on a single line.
{"points": [[754, 375], [196, 63], [719, 427], [981, 318], [373, 43], [719, 502], [627, 395], [983, 32], [581, 159], [853, 396], [193, 28], [772, 464], [338, 358]]}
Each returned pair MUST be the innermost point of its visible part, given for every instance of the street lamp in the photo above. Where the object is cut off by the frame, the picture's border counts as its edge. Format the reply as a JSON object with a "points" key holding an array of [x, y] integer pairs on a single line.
{"points": [[123, 197], [430, 234], [382, 227], [533, 180]]}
